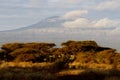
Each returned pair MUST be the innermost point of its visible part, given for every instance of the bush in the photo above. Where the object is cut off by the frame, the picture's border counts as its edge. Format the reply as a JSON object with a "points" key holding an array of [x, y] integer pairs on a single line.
{"points": [[20, 51], [13, 50], [86, 51], [39, 45], [25, 58], [2, 54], [106, 56], [80, 43], [73, 47], [11, 46], [27, 54]]}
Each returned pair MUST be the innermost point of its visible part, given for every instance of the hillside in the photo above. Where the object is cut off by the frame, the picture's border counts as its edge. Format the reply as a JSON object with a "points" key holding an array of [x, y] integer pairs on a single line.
{"points": [[74, 60]]}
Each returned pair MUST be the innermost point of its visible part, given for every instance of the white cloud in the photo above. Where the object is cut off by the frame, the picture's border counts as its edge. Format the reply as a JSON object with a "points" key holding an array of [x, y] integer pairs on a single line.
{"points": [[74, 20], [78, 23], [74, 14], [110, 5], [106, 23], [85, 23]]}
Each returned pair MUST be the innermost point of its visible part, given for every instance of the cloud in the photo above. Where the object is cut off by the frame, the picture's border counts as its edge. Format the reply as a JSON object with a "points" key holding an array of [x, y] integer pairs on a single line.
{"points": [[74, 19], [78, 23], [107, 23], [108, 5], [85, 23], [74, 14]]}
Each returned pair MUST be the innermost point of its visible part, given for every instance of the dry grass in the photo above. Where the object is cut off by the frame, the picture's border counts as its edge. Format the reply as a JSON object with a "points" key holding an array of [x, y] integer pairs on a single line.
{"points": [[91, 74], [24, 64], [70, 72], [100, 66], [26, 71], [43, 71], [112, 78], [25, 74], [78, 65], [74, 65]]}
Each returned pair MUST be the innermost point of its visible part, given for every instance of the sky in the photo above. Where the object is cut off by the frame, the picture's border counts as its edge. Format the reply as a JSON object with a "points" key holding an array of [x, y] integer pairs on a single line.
{"points": [[86, 19], [92, 13]]}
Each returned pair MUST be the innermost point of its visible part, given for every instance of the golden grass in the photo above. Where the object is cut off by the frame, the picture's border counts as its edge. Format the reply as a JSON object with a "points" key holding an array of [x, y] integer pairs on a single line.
{"points": [[78, 65], [24, 64], [70, 72], [38, 71], [43, 71], [25, 74], [26, 71]]}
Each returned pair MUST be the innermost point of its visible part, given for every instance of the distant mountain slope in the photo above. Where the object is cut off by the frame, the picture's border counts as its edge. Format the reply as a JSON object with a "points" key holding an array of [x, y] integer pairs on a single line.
{"points": [[52, 30], [44, 30], [50, 22]]}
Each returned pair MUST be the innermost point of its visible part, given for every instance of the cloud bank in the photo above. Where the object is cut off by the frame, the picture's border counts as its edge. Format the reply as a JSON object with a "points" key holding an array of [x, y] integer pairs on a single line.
{"points": [[108, 5], [74, 14], [26, 12], [75, 20]]}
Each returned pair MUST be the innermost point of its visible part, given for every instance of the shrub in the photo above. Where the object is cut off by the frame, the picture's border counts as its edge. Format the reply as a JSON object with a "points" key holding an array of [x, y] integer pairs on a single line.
{"points": [[73, 47], [106, 56], [2, 54], [11, 46], [26, 54], [39, 45], [83, 57], [80, 43], [25, 57], [20, 51]]}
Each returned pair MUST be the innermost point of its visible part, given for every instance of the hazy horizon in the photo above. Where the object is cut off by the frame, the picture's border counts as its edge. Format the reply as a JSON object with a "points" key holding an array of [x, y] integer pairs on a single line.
{"points": [[97, 20]]}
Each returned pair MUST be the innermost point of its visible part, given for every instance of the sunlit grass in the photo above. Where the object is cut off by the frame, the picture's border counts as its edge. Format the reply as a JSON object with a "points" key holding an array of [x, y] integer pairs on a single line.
{"points": [[23, 64]]}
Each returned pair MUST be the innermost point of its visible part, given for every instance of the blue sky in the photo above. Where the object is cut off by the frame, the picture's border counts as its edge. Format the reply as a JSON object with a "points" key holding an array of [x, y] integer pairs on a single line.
{"points": [[21, 13]]}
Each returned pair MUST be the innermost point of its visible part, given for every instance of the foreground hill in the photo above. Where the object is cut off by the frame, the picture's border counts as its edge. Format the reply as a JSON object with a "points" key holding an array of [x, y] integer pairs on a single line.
{"points": [[79, 60], [45, 52]]}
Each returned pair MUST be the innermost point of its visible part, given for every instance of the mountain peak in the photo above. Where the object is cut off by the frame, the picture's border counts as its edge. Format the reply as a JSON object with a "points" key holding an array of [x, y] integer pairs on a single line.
{"points": [[50, 22]]}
